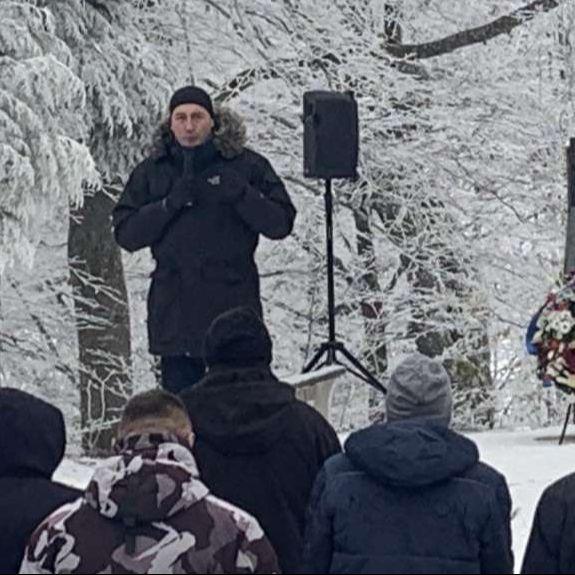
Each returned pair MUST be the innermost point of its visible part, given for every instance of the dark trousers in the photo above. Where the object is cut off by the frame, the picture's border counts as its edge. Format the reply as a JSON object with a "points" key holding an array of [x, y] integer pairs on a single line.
{"points": [[180, 372]]}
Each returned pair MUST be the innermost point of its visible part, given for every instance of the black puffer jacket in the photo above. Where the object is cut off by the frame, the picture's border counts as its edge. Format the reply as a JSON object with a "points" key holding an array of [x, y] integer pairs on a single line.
{"points": [[398, 501], [204, 252], [260, 448], [550, 548], [32, 444]]}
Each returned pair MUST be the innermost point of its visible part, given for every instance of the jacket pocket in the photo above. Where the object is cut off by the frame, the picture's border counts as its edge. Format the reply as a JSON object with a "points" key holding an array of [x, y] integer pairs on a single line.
{"points": [[164, 306]]}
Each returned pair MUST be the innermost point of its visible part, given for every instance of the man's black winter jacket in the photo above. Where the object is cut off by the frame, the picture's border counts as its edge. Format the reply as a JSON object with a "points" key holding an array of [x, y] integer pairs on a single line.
{"points": [[204, 251]]}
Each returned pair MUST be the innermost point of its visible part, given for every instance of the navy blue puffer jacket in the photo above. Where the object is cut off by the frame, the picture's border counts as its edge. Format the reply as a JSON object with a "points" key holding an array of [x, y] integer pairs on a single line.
{"points": [[407, 497]]}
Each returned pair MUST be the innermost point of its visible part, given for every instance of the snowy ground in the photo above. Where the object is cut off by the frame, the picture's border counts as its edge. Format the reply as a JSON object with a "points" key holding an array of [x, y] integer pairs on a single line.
{"points": [[530, 460]]}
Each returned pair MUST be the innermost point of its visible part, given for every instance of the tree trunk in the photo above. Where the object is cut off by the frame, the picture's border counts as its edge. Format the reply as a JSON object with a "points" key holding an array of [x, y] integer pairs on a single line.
{"points": [[102, 319]]}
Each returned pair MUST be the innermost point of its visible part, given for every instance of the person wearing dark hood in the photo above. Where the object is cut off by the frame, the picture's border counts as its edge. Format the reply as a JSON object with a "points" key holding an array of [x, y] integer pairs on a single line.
{"points": [[410, 496], [550, 548], [147, 511], [32, 445], [256, 444], [200, 202]]}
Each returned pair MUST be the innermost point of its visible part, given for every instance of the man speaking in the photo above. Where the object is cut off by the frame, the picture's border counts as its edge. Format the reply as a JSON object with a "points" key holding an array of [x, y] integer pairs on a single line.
{"points": [[200, 202]]}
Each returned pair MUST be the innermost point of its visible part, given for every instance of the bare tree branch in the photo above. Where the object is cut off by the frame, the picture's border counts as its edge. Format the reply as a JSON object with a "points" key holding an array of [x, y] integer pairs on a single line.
{"points": [[218, 8], [60, 364], [248, 78], [480, 34]]}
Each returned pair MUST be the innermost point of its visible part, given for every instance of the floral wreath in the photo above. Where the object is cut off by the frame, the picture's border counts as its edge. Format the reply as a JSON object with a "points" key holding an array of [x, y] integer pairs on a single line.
{"points": [[551, 337]]}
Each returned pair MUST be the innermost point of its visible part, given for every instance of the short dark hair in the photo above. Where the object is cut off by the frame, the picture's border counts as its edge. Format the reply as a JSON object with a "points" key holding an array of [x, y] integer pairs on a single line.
{"points": [[156, 408]]}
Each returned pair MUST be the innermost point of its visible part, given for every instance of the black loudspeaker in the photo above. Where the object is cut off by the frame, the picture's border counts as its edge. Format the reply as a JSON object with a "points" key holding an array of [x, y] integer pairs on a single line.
{"points": [[331, 135]]}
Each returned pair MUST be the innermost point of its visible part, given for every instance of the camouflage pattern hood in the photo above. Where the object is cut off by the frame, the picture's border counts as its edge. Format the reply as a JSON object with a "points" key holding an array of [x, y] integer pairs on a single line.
{"points": [[154, 477], [146, 511]]}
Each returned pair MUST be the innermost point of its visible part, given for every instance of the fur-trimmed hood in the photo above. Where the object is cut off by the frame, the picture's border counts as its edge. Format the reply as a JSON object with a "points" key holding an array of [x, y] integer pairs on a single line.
{"points": [[229, 136]]}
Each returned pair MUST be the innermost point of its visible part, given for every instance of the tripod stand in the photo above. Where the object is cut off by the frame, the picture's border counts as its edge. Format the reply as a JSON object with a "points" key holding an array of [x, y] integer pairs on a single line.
{"points": [[332, 346]]}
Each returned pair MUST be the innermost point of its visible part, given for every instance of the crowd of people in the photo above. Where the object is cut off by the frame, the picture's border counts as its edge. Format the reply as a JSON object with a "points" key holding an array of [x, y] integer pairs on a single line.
{"points": [[236, 475]]}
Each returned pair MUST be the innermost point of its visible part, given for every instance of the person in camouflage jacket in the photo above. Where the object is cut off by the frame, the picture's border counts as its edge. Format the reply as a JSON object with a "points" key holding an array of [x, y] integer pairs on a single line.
{"points": [[146, 511]]}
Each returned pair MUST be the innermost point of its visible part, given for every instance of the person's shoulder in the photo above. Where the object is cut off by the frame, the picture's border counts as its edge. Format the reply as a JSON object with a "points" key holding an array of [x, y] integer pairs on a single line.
{"points": [[225, 515], [483, 472], [311, 416], [58, 519], [562, 490], [339, 464], [150, 161], [64, 493], [257, 159], [143, 168], [475, 499]]}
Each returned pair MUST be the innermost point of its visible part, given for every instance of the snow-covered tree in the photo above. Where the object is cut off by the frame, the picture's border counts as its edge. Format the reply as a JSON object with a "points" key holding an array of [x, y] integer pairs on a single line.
{"points": [[116, 77], [44, 159], [438, 91], [446, 243]]}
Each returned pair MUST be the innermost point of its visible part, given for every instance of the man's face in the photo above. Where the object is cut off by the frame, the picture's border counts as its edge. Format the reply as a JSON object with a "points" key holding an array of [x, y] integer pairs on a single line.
{"points": [[191, 125]]}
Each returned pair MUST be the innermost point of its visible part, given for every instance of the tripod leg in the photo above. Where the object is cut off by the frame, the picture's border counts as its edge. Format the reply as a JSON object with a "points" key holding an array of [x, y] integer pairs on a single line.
{"points": [[315, 359], [567, 418], [363, 370], [323, 364], [357, 374]]}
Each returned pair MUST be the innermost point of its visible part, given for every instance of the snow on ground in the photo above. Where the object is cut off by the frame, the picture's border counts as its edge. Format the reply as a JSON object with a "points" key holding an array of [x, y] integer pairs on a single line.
{"points": [[530, 460]]}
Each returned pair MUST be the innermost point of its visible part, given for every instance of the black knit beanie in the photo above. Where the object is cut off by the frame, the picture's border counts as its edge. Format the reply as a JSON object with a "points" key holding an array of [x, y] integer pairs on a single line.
{"points": [[192, 95], [238, 338]]}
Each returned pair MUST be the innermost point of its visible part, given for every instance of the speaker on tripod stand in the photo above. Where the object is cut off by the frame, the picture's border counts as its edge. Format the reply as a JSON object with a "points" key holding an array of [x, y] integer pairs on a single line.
{"points": [[331, 149]]}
